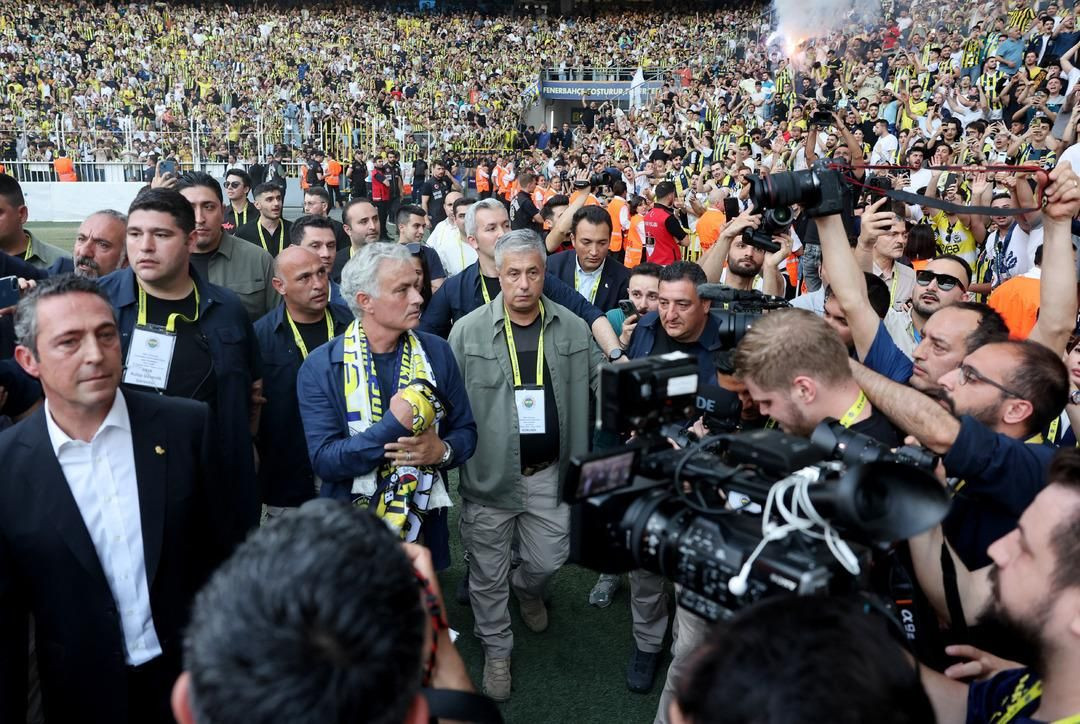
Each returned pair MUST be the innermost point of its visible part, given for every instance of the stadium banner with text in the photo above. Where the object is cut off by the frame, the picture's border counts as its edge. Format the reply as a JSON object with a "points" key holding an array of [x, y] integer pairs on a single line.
{"points": [[563, 90]]}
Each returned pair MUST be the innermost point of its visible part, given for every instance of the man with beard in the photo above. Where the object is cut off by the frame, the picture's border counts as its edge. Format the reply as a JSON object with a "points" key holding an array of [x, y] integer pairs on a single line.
{"points": [[1032, 586], [986, 425], [943, 281], [957, 329], [99, 245], [797, 371], [732, 261], [239, 212]]}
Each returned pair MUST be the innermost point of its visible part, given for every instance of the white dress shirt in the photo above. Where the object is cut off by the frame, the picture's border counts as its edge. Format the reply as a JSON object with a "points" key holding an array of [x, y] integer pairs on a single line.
{"points": [[454, 252], [101, 476], [585, 282]]}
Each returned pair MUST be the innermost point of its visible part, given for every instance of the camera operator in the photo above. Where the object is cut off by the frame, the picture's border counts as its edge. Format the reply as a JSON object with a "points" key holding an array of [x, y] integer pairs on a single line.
{"points": [[797, 370], [682, 323], [1032, 587], [985, 421], [951, 332], [320, 616], [849, 157], [787, 659]]}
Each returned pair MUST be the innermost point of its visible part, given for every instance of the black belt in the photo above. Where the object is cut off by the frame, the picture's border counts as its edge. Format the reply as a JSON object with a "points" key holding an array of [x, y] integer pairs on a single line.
{"points": [[528, 470]]}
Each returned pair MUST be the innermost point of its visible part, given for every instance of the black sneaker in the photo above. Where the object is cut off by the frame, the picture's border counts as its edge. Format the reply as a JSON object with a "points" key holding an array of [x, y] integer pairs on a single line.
{"points": [[462, 593], [641, 671]]}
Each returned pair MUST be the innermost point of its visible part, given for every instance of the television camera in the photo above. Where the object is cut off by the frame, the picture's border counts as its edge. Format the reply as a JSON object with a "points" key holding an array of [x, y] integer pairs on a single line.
{"points": [[734, 518]]}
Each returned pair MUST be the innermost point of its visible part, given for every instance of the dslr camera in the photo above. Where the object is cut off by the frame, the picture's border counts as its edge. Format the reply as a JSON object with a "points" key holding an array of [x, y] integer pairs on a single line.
{"points": [[819, 190], [739, 517]]}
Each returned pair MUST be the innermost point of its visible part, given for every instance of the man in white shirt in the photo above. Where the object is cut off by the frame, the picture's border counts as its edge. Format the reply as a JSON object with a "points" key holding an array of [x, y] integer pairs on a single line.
{"points": [[448, 236], [121, 525], [884, 151]]}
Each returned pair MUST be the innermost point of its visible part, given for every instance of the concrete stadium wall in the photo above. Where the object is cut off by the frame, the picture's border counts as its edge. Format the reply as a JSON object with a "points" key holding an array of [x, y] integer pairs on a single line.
{"points": [[75, 201], [53, 201]]}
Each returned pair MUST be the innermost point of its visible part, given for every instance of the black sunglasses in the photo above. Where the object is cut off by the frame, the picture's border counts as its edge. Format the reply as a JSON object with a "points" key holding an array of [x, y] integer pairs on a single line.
{"points": [[233, 184], [945, 282]]}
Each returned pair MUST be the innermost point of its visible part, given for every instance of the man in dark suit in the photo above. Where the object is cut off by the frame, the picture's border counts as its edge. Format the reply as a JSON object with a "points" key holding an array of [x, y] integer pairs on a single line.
{"points": [[600, 279], [109, 521]]}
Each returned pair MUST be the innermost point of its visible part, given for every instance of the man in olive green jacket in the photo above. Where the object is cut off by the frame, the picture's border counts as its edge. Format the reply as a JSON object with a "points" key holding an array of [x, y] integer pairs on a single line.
{"points": [[529, 365]]}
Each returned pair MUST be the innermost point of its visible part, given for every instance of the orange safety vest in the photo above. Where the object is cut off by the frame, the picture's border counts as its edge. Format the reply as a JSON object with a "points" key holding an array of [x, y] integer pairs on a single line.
{"points": [[634, 245], [65, 169], [614, 209], [483, 182], [333, 173], [591, 201]]}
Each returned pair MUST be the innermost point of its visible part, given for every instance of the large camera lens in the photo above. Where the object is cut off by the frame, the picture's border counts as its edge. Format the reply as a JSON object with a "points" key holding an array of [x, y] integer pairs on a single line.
{"points": [[733, 326], [785, 189], [777, 220]]}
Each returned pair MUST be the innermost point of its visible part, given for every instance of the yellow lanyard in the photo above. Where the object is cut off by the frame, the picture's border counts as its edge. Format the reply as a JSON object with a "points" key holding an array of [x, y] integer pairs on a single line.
{"points": [[577, 284], [281, 241], [170, 324], [513, 349], [484, 291], [854, 411], [300, 340], [1021, 697], [241, 220], [29, 248], [1051, 433]]}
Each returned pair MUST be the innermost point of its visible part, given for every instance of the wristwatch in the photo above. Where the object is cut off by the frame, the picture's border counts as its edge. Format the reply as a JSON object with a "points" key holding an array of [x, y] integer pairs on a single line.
{"points": [[447, 455], [615, 354], [1074, 397]]}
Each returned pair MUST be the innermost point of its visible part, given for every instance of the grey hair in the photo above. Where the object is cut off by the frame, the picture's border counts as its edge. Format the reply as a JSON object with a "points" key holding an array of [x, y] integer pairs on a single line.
{"points": [[470, 215], [26, 321], [518, 242], [112, 213], [361, 273], [115, 216]]}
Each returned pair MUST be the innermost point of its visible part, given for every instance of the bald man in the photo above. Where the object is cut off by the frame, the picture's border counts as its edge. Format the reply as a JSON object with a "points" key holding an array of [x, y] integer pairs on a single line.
{"points": [[286, 336], [713, 220]]}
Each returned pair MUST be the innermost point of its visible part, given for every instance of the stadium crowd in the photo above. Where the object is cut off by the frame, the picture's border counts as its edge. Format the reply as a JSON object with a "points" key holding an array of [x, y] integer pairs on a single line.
{"points": [[181, 386]]}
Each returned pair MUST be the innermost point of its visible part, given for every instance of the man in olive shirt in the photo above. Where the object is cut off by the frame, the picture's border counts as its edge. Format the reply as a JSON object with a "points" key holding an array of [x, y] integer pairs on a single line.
{"points": [[534, 421], [222, 258], [14, 238]]}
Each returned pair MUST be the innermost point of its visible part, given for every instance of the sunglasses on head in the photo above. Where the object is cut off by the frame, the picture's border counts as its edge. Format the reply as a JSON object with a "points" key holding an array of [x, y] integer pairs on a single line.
{"points": [[945, 282]]}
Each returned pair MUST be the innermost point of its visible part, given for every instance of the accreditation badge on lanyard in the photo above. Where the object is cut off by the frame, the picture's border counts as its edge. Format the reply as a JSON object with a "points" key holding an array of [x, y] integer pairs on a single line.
{"points": [[150, 352], [532, 419]]}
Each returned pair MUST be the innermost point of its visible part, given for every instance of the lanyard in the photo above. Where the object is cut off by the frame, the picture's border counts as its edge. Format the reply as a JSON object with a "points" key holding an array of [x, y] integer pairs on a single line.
{"points": [[854, 411], [484, 291], [170, 324], [914, 333], [892, 289], [300, 340], [595, 287], [281, 241], [1022, 696], [241, 219], [513, 349], [29, 248]]}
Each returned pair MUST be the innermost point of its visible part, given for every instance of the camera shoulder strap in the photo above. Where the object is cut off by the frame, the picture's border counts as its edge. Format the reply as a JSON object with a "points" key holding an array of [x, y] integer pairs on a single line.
{"points": [[952, 593], [461, 706]]}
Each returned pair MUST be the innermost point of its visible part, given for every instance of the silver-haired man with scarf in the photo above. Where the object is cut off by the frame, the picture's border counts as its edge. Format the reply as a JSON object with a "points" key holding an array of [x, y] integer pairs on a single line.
{"points": [[384, 407]]}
